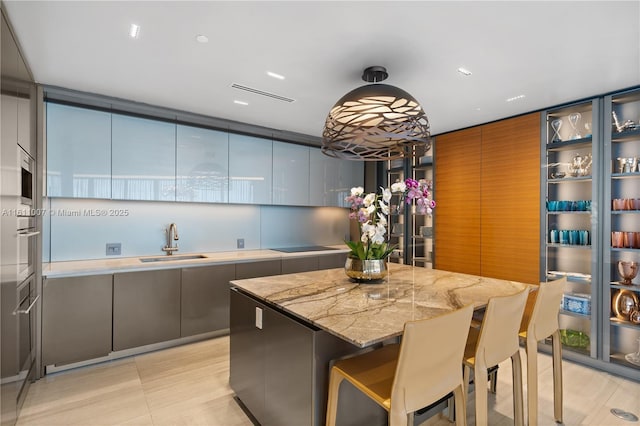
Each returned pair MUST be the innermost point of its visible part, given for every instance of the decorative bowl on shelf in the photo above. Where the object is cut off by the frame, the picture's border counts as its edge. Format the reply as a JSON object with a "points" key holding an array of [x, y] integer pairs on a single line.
{"points": [[628, 271], [573, 338], [624, 303]]}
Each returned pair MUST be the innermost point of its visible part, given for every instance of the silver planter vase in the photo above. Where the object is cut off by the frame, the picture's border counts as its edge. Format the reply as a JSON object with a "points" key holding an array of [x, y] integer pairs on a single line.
{"points": [[365, 271]]}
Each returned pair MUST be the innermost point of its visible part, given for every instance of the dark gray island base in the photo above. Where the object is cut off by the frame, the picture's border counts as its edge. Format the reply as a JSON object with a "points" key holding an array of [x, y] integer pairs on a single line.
{"points": [[280, 371], [285, 330]]}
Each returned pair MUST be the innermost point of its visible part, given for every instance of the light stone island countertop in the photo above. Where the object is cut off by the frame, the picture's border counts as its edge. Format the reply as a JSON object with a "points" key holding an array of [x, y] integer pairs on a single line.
{"points": [[365, 314], [131, 264]]}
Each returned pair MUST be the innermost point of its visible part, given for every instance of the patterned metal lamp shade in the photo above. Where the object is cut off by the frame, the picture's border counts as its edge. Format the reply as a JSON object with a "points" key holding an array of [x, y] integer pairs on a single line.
{"points": [[376, 122]]}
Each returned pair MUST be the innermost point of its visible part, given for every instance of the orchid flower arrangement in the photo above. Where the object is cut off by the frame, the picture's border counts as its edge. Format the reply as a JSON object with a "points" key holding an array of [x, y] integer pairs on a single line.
{"points": [[371, 211]]}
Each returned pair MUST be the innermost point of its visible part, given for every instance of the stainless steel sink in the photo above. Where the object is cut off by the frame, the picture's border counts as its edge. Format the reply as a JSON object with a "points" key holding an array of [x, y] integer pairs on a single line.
{"points": [[172, 258]]}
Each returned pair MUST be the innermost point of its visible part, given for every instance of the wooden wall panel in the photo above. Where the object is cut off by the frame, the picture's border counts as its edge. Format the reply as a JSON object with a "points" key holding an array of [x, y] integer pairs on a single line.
{"points": [[510, 202], [457, 195]]}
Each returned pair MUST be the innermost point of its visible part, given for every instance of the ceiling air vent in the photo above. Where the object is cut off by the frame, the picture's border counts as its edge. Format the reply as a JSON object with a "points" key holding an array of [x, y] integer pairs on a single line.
{"points": [[260, 92]]}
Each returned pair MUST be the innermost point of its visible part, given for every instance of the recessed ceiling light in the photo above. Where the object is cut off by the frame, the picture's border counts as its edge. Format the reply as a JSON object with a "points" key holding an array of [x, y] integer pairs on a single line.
{"points": [[134, 31], [241, 102], [202, 38], [515, 98], [464, 71], [274, 75]]}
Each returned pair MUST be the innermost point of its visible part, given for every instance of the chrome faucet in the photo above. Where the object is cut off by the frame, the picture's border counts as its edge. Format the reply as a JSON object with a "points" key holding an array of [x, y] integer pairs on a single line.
{"points": [[172, 234]]}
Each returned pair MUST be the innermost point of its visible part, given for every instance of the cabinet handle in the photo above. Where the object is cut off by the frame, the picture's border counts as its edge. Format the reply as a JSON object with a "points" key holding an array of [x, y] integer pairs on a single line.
{"points": [[258, 318], [28, 233], [26, 311]]}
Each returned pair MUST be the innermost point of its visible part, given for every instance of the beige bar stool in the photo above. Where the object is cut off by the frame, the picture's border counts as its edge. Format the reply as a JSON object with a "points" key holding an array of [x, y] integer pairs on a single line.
{"points": [[419, 371], [540, 321], [496, 341]]}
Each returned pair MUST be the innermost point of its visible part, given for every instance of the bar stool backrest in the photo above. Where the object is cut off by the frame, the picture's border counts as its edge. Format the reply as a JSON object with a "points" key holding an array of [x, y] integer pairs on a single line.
{"points": [[543, 319], [430, 360], [498, 338]]}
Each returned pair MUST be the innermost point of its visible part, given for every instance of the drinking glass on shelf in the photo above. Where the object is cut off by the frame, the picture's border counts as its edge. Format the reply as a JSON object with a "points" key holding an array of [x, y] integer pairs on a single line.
{"points": [[617, 239]]}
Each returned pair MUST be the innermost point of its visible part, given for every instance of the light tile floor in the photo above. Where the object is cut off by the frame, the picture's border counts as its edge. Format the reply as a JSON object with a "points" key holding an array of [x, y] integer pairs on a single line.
{"points": [[188, 385]]}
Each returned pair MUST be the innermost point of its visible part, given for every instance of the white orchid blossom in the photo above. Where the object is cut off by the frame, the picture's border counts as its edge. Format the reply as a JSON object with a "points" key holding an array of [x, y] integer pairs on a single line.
{"points": [[369, 199], [378, 235], [398, 187], [386, 195], [384, 207], [357, 191]]}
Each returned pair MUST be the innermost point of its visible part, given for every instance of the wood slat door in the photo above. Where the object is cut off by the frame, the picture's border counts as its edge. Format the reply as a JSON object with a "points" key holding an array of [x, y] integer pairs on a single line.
{"points": [[510, 202], [457, 195]]}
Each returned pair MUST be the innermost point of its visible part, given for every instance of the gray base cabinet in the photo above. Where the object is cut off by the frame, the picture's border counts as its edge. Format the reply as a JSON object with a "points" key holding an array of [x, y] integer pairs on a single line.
{"points": [[299, 264], [146, 308], [205, 299], [292, 265], [332, 261], [76, 319], [279, 368], [262, 268]]}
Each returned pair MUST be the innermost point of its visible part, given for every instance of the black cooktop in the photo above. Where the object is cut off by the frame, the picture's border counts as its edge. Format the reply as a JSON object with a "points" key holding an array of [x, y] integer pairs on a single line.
{"points": [[301, 249]]}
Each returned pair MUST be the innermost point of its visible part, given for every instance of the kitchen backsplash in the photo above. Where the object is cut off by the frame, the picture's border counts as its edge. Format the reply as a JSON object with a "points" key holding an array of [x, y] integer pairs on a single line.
{"points": [[79, 229]]}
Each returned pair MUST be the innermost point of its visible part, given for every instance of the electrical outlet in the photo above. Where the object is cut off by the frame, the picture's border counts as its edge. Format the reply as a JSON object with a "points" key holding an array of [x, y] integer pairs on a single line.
{"points": [[240, 243], [114, 249]]}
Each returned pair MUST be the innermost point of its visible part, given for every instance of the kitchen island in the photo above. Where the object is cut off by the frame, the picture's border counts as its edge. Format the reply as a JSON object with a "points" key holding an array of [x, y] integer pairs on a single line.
{"points": [[286, 329]]}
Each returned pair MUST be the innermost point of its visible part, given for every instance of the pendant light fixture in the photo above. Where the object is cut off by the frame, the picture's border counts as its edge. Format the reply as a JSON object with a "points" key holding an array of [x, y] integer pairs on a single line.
{"points": [[376, 122]]}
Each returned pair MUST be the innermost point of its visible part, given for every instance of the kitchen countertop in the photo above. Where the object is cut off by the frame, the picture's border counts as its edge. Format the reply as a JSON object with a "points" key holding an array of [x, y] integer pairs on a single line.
{"points": [[130, 264], [365, 314]]}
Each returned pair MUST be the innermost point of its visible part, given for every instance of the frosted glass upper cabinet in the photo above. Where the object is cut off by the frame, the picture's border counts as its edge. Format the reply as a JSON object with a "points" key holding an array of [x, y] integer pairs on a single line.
{"points": [[78, 152], [350, 174], [250, 174], [317, 177], [202, 165], [331, 179], [144, 159], [290, 174]]}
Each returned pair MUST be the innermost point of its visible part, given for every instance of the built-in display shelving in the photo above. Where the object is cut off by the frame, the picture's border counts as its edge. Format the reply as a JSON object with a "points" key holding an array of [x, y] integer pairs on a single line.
{"points": [[397, 217], [621, 231], [570, 240], [422, 247], [409, 230]]}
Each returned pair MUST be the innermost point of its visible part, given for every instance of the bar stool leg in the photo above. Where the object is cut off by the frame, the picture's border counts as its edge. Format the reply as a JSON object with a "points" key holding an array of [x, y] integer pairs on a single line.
{"points": [[481, 395], [332, 403], [493, 381], [556, 345], [518, 408], [531, 348], [460, 406]]}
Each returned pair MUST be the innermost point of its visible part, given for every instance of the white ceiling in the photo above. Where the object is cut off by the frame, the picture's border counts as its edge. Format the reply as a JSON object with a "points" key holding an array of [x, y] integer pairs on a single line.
{"points": [[551, 52]]}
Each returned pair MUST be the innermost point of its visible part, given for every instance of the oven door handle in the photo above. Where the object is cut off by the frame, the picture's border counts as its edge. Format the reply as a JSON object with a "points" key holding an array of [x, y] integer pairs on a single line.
{"points": [[26, 311], [28, 233]]}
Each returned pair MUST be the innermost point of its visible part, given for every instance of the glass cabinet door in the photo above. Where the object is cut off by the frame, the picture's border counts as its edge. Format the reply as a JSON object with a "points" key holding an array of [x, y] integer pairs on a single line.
{"points": [[422, 250], [202, 165], [397, 213], [621, 245], [78, 152], [570, 243], [143, 159]]}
